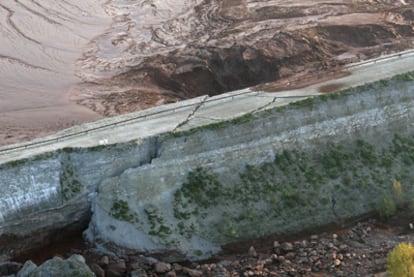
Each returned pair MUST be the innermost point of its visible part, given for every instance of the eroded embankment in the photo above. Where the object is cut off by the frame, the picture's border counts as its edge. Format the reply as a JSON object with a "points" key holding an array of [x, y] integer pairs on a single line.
{"points": [[164, 51], [311, 163]]}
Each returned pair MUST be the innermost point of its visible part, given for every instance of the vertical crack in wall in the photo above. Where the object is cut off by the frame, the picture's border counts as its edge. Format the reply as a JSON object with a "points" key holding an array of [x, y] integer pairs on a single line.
{"points": [[155, 150], [191, 115]]}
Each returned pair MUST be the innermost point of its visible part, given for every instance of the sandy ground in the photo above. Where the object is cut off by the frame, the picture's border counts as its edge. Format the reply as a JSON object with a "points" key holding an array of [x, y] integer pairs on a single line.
{"points": [[40, 43], [67, 62]]}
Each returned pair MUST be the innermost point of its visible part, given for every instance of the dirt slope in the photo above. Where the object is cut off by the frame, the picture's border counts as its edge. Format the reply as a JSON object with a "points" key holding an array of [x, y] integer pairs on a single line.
{"points": [[218, 46]]}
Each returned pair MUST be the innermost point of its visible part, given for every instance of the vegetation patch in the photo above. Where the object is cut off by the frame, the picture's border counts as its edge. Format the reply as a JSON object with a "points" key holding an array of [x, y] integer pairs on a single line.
{"points": [[158, 226], [121, 211], [69, 182], [400, 261], [300, 188]]}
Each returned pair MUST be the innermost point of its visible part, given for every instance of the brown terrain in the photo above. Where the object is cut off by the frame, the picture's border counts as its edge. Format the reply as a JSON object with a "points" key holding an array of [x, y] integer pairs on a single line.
{"points": [[156, 52], [220, 46], [356, 249], [196, 47]]}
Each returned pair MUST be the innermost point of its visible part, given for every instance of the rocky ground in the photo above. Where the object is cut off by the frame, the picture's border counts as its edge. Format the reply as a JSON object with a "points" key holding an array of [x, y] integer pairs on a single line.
{"points": [[359, 250]]}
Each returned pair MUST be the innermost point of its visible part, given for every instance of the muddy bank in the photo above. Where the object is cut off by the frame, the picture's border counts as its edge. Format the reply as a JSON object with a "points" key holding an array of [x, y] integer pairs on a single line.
{"points": [[210, 47], [127, 57], [40, 43]]}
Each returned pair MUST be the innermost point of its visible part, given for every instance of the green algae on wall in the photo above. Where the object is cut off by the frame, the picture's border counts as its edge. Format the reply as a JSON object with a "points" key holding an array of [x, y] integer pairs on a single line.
{"points": [[313, 162], [298, 188], [69, 182]]}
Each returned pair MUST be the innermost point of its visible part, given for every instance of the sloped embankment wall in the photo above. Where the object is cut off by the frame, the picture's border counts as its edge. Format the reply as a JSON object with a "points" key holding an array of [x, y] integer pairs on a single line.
{"points": [[291, 168], [315, 162]]}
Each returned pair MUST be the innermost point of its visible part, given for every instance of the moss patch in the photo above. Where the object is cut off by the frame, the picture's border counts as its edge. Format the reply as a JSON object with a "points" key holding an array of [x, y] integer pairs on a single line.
{"points": [[297, 188], [121, 211], [69, 182]]}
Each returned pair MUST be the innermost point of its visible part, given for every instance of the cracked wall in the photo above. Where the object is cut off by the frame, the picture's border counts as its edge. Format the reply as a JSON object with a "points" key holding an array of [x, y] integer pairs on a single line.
{"points": [[314, 162], [318, 161]]}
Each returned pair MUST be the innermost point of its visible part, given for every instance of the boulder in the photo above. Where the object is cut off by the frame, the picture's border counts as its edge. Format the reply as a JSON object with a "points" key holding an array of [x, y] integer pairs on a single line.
{"points": [[57, 267]]}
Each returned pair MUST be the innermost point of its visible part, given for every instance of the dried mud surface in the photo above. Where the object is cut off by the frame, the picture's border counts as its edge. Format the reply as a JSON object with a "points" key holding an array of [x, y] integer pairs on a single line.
{"points": [[211, 47], [62, 64]]}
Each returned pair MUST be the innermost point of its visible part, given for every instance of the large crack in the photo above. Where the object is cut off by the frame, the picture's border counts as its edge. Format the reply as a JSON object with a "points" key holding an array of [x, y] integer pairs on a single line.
{"points": [[192, 114]]}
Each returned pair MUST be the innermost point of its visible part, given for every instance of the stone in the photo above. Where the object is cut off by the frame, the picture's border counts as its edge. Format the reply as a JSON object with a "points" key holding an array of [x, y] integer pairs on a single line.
{"points": [[192, 272], [27, 268], [287, 246], [290, 255], [337, 262], [304, 243], [177, 267], [134, 265], [162, 267], [104, 260], [313, 259], [171, 274], [116, 269], [99, 272], [8, 268], [314, 237], [73, 266], [343, 247], [140, 272], [252, 252]]}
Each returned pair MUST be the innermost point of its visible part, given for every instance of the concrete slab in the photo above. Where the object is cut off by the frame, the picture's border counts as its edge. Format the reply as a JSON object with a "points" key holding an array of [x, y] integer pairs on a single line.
{"points": [[200, 111]]}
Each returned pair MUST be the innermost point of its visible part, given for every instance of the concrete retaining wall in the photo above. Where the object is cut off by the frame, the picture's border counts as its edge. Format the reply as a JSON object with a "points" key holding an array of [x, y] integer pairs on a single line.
{"points": [[280, 171], [287, 169]]}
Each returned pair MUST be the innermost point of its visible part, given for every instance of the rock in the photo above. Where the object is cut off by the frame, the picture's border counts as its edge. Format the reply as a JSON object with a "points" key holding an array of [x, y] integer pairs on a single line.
{"points": [[8, 268], [193, 272], [134, 265], [104, 261], [171, 274], [287, 246], [99, 272], [116, 269], [314, 237], [162, 267], [343, 247], [139, 273], [337, 262], [304, 243], [28, 267], [73, 266], [313, 259], [252, 252], [177, 267], [290, 255]]}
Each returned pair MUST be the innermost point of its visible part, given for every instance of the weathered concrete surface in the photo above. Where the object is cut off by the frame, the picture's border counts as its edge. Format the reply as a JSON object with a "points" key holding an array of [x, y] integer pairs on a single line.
{"points": [[141, 185], [278, 171], [199, 111]]}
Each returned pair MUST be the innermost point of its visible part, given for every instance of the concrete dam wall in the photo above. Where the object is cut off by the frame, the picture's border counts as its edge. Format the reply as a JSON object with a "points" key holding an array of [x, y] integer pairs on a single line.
{"points": [[282, 170]]}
